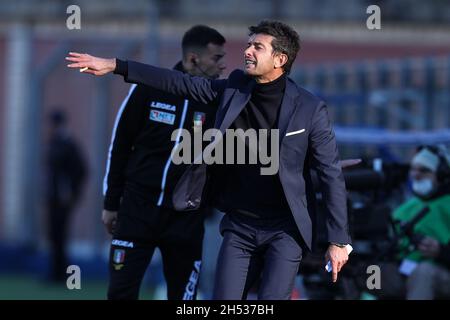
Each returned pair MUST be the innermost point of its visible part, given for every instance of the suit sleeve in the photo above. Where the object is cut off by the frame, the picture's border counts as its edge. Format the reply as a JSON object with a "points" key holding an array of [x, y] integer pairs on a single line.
{"points": [[198, 89], [325, 160], [128, 123]]}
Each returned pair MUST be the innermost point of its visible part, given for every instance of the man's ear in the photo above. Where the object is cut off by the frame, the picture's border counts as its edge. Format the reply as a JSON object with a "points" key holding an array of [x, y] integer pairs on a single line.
{"points": [[280, 60], [189, 61]]}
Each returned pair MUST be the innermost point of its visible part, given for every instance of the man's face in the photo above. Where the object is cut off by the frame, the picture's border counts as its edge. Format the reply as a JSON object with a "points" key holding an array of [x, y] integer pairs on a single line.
{"points": [[210, 62], [259, 58], [424, 181], [418, 172]]}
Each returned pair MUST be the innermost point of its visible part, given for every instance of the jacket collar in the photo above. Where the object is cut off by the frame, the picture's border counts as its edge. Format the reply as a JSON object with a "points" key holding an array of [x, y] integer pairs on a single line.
{"points": [[179, 67], [242, 96], [288, 106], [239, 101]]}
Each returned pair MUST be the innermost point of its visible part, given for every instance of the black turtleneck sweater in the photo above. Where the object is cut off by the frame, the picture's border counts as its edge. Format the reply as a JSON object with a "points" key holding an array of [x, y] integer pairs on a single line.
{"points": [[245, 191]]}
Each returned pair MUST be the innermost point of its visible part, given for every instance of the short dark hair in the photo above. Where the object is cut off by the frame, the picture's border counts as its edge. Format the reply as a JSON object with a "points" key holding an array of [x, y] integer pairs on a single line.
{"points": [[286, 40], [199, 37]]}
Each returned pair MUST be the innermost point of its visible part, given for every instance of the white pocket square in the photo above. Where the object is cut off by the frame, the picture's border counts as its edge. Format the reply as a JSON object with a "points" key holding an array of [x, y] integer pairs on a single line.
{"points": [[294, 132]]}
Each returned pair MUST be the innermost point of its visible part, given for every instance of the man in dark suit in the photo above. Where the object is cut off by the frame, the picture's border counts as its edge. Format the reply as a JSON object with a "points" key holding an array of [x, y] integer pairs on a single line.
{"points": [[269, 220]]}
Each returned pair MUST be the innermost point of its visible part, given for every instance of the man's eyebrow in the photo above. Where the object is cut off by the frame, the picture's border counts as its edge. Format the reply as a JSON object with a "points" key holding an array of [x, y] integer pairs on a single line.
{"points": [[256, 43]]}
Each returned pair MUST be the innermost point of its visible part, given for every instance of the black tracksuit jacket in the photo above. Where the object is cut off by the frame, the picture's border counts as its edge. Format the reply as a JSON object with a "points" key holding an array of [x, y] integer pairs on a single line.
{"points": [[140, 152]]}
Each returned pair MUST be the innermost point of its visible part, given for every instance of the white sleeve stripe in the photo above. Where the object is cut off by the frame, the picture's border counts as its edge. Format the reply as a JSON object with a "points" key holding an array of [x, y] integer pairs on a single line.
{"points": [[113, 137]]}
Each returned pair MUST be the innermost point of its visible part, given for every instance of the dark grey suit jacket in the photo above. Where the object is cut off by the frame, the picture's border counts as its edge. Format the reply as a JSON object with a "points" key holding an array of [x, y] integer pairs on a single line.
{"points": [[312, 147]]}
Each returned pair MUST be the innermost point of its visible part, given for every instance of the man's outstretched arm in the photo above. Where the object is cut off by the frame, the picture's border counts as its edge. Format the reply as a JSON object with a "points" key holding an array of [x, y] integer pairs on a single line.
{"points": [[196, 88]]}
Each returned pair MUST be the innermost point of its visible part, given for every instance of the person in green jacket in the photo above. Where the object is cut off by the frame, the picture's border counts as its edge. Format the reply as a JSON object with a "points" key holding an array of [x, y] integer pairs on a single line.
{"points": [[423, 222]]}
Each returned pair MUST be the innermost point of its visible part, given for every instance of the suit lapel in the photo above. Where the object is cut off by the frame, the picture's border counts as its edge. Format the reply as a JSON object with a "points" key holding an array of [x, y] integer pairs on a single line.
{"points": [[241, 98], [238, 102], [288, 106]]}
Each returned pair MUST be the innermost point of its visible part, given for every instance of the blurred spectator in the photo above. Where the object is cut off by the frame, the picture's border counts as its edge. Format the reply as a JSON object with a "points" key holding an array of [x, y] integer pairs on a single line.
{"points": [[66, 172], [423, 226]]}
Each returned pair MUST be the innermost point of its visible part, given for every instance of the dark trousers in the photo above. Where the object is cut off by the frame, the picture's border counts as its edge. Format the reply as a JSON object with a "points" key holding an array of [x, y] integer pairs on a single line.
{"points": [[58, 220], [179, 237], [268, 251]]}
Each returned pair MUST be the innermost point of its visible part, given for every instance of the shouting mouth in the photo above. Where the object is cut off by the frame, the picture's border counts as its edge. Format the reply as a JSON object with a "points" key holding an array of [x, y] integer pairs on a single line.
{"points": [[249, 63]]}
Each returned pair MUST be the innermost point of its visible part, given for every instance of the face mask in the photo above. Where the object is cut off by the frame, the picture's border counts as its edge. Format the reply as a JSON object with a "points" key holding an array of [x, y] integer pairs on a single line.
{"points": [[423, 187]]}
